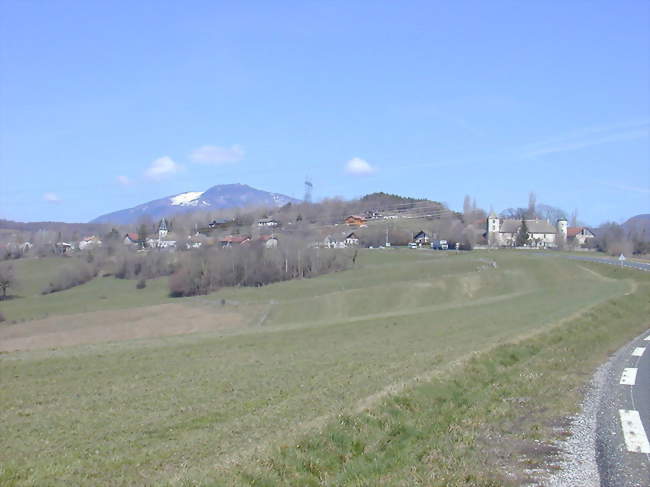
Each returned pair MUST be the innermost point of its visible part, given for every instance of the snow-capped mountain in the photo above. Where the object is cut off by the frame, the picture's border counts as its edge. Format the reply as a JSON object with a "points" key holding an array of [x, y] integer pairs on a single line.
{"points": [[216, 198]]}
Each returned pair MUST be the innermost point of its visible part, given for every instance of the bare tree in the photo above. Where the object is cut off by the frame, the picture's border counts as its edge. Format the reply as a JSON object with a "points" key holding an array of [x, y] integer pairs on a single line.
{"points": [[514, 213], [611, 238], [532, 205], [550, 213], [467, 208], [7, 279]]}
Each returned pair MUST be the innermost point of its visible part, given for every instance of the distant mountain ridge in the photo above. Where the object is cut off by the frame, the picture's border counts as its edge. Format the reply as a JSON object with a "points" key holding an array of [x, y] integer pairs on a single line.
{"points": [[639, 224], [222, 196]]}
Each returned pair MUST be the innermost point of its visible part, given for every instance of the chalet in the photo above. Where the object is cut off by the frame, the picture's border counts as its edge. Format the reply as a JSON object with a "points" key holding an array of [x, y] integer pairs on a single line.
{"points": [[356, 220], [89, 242], [195, 241], [267, 222], [63, 248], [421, 238], [579, 235], [370, 214], [331, 242], [351, 240], [233, 240]]}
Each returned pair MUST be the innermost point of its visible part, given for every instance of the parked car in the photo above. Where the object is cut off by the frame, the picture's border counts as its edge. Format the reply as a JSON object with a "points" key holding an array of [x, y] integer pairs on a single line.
{"points": [[439, 245]]}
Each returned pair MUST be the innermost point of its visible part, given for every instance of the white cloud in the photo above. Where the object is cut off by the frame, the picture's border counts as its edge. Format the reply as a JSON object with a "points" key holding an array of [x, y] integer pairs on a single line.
{"points": [[124, 180], [51, 197], [212, 154], [359, 166], [161, 168]]}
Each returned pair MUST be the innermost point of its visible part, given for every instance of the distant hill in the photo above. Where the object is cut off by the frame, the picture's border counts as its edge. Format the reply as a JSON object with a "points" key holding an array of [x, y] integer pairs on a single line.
{"points": [[382, 200], [218, 197], [639, 224], [65, 228]]}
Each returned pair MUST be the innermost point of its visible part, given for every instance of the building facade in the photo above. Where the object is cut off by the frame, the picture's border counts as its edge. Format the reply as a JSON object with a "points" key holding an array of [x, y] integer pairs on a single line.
{"points": [[503, 232]]}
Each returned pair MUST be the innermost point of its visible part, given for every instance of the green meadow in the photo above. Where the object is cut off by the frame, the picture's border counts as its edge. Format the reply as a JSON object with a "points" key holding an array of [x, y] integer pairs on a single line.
{"points": [[102, 293], [353, 378]]}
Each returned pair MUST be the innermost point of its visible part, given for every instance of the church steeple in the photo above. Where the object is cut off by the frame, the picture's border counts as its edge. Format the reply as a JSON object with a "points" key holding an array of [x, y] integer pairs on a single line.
{"points": [[162, 229]]}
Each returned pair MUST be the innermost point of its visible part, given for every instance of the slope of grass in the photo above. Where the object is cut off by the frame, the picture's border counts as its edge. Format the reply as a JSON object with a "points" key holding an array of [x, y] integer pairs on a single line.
{"points": [[34, 274], [98, 294], [489, 423], [187, 407]]}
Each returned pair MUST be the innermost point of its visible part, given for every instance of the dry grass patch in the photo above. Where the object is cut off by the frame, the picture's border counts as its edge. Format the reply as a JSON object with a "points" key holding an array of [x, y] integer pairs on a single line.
{"points": [[114, 325]]}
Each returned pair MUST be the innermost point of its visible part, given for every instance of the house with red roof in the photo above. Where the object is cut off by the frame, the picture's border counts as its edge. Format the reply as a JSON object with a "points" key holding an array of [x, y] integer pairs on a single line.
{"points": [[579, 235]]}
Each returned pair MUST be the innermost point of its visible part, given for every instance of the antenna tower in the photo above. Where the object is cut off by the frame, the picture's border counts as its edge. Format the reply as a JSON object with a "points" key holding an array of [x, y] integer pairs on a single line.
{"points": [[308, 188]]}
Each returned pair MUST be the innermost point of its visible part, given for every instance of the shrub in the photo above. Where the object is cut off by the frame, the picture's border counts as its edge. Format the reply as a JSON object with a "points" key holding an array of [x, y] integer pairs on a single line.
{"points": [[142, 283], [73, 274], [207, 270], [144, 266]]}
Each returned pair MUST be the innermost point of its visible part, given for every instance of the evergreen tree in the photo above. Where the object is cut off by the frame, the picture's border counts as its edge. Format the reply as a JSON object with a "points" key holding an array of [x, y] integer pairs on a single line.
{"points": [[522, 234], [142, 236]]}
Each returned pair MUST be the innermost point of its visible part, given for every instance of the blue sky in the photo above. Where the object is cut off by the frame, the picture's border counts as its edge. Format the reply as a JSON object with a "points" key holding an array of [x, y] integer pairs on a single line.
{"points": [[105, 105]]}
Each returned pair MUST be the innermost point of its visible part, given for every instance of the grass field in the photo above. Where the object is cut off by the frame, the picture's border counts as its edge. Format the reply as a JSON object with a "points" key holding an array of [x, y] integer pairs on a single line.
{"points": [[99, 294], [306, 389]]}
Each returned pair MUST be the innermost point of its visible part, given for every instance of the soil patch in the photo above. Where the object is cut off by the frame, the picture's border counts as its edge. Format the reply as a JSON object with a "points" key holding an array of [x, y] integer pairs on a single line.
{"points": [[114, 325]]}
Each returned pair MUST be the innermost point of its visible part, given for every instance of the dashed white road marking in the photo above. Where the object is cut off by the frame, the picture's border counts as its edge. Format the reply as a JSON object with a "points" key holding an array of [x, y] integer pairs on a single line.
{"points": [[633, 432], [638, 351], [629, 377]]}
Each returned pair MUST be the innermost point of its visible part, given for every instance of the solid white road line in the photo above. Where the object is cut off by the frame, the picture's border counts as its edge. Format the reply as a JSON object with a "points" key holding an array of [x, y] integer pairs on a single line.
{"points": [[629, 377], [638, 351], [633, 432]]}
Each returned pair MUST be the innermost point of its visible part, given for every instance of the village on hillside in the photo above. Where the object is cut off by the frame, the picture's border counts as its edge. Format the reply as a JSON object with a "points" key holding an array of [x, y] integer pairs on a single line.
{"points": [[412, 226]]}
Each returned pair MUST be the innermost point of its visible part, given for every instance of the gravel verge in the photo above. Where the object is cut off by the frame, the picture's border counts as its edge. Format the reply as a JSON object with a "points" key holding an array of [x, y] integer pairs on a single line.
{"points": [[577, 464]]}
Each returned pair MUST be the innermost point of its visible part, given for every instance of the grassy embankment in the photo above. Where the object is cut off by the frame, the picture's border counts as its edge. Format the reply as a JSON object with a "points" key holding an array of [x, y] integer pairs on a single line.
{"points": [[101, 293], [302, 399]]}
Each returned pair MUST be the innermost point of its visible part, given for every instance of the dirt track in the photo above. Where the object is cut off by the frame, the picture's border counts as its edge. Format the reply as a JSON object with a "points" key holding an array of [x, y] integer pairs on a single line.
{"points": [[105, 326]]}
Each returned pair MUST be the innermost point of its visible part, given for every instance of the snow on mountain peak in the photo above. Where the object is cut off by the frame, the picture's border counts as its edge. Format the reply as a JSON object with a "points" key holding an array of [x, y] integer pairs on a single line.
{"points": [[186, 199]]}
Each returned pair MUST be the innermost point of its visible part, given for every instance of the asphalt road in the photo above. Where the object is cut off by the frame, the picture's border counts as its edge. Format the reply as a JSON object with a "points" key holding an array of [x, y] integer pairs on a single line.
{"points": [[642, 266], [623, 411], [623, 418]]}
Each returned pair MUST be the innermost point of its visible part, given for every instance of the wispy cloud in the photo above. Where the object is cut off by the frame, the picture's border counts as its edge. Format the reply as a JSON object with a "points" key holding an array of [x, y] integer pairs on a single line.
{"points": [[51, 197], [359, 166], [215, 155], [589, 137], [162, 168], [124, 180], [627, 188]]}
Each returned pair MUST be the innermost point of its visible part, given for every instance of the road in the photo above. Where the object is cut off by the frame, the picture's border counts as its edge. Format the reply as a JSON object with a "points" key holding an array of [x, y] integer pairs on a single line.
{"points": [[623, 418], [623, 410], [641, 266]]}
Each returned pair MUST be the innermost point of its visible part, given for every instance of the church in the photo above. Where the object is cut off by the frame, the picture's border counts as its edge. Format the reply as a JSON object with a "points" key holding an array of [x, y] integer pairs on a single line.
{"points": [[502, 232]]}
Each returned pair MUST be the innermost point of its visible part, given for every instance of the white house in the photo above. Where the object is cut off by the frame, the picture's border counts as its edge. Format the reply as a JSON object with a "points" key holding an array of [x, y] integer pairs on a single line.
{"points": [[89, 242], [502, 232], [579, 235], [421, 238], [351, 240]]}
